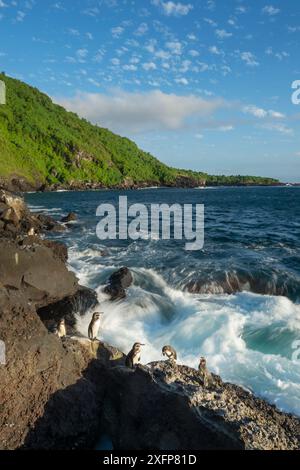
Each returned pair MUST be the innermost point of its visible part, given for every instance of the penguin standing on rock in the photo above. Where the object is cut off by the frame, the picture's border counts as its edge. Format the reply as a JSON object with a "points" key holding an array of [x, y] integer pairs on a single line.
{"points": [[31, 232], [133, 358], [61, 328], [170, 353], [204, 373], [94, 326]]}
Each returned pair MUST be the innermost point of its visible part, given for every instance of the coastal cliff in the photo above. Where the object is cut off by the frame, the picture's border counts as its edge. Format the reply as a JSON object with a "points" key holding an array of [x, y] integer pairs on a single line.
{"points": [[44, 147], [67, 393]]}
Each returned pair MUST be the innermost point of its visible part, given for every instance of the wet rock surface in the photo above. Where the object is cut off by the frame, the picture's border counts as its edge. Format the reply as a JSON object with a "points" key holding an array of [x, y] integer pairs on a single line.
{"points": [[78, 303], [118, 282], [71, 217]]}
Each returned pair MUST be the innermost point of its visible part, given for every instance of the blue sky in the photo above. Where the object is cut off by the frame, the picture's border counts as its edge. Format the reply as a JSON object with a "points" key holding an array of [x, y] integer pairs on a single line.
{"points": [[201, 84]]}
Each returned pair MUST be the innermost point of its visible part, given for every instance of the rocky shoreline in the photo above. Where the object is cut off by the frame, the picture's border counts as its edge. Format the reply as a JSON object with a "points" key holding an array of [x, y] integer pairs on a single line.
{"points": [[18, 184], [66, 393]]}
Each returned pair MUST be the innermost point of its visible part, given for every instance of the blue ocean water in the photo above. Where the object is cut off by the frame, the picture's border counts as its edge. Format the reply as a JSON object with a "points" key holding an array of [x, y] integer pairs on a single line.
{"points": [[236, 301]]}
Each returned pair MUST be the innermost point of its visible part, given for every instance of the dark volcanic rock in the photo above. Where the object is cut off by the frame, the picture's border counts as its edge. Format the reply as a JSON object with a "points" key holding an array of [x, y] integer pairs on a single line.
{"points": [[16, 220], [18, 184], [118, 282], [58, 249], [83, 300], [49, 224], [123, 277], [41, 385], [14, 202], [262, 282], [71, 217], [165, 407], [36, 272]]}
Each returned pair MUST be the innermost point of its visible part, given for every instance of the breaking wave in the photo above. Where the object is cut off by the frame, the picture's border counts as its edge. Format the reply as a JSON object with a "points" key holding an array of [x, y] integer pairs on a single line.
{"points": [[235, 302]]}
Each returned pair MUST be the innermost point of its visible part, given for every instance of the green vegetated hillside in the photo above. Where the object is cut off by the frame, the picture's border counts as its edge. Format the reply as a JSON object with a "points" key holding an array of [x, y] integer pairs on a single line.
{"points": [[44, 144]]}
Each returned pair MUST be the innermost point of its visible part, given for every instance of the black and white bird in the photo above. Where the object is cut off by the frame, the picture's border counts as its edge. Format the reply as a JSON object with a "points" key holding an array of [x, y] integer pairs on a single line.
{"points": [[169, 352], [204, 372], [94, 326], [133, 358], [60, 329]]}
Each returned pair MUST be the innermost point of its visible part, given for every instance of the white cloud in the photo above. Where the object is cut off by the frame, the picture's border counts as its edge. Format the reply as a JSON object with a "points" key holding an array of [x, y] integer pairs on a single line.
{"points": [[241, 9], [73, 32], [261, 113], [81, 54], [140, 112], [210, 5], [115, 61], [293, 29], [135, 60], [164, 55], [94, 82], [181, 81], [175, 47], [279, 55], [276, 114], [173, 9], [270, 10], [223, 34], [249, 59], [130, 68], [185, 66], [142, 29], [255, 111], [211, 22], [94, 11], [20, 16], [117, 31], [279, 127], [228, 128], [215, 50], [149, 66]]}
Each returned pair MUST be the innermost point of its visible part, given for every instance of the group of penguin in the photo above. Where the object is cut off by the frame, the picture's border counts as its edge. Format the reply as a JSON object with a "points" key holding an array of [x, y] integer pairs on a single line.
{"points": [[133, 358]]}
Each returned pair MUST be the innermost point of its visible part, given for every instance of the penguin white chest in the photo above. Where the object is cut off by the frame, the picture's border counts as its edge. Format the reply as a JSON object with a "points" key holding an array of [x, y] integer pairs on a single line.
{"points": [[62, 331], [95, 328], [136, 359]]}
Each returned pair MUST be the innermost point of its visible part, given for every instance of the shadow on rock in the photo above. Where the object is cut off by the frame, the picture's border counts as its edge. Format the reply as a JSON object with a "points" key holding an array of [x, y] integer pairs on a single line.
{"points": [[72, 417]]}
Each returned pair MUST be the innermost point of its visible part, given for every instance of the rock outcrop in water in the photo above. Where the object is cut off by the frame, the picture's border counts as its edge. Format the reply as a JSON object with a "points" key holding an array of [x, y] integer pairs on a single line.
{"points": [[118, 282], [16, 220], [264, 282], [63, 394], [71, 217]]}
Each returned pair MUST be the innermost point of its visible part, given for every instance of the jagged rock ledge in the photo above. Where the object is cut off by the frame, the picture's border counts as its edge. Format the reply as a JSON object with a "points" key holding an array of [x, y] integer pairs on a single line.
{"points": [[64, 394]]}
